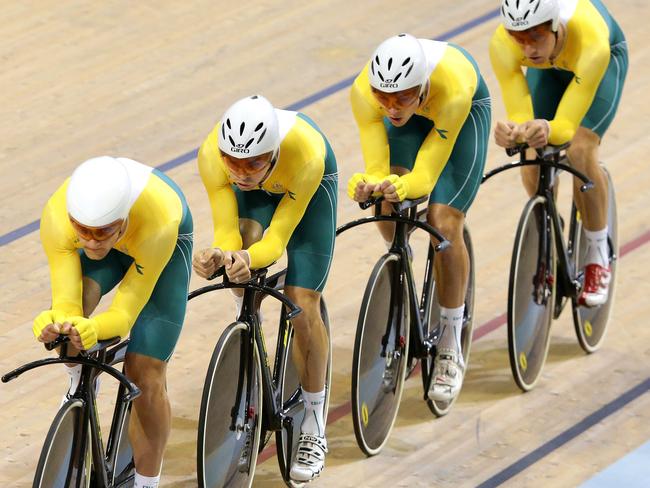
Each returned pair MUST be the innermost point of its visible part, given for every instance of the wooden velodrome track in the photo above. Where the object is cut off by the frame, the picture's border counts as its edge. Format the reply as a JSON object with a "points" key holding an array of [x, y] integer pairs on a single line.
{"points": [[148, 80]]}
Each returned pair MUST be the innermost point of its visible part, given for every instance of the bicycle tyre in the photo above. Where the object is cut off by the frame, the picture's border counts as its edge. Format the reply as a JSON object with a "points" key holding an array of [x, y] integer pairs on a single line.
{"points": [[65, 458], [377, 382], [290, 387], [531, 294], [591, 323], [441, 408], [219, 446]]}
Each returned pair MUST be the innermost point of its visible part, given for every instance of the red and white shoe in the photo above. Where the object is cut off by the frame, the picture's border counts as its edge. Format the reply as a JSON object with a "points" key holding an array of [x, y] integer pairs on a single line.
{"points": [[596, 286]]}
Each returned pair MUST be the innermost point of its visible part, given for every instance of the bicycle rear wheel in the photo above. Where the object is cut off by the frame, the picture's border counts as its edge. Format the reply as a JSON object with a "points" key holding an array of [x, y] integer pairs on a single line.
{"points": [[229, 422], [440, 408], [591, 323], [292, 398], [65, 459], [380, 355], [531, 294]]}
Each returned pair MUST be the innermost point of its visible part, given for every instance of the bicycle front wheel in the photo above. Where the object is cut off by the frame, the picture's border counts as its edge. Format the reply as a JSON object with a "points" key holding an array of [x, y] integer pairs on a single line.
{"points": [[230, 418], [591, 323], [380, 355], [531, 294], [441, 408], [292, 403], [65, 459]]}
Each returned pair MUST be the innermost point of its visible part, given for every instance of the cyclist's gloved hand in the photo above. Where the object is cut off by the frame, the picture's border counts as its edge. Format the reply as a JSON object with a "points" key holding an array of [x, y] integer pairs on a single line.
{"points": [[49, 317], [87, 332], [361, 186], [393, 188]]}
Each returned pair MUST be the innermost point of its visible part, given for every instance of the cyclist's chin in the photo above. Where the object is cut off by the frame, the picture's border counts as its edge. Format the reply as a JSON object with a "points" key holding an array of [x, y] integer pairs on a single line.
{"points": [[398, 121], [96, 254], [246, 186]]}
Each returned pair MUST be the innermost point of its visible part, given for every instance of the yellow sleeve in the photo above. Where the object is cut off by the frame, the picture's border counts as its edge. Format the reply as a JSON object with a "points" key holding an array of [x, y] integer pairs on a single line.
{"points": [[63, 260], [505, 56], [225, 215], [437, 146], [370, 120], [581, 91], [135, 289], [287, 216]]}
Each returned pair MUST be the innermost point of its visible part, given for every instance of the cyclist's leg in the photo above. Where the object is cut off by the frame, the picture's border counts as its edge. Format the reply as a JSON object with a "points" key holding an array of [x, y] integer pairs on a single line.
{"points": [[546, 87], [255, 213], [584, 156], [404, 143], [309, 253], [449, 202], [98, 278], [153, 339]]}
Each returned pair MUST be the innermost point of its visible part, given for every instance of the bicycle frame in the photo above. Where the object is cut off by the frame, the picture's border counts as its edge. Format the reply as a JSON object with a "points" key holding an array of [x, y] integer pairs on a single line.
{"points": [[551, 160], [406, 215], [274, 410], [103, 461]]}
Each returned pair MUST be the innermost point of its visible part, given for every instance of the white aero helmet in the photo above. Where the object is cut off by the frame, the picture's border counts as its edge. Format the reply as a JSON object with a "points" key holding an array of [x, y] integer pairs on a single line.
{"points": [[249, 128], [99, 192], [518, 15], [399, 63]]}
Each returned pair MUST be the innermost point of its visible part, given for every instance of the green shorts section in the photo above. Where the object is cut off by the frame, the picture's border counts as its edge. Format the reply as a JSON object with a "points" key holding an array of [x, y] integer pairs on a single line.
{"points": [[547, 86], [157, 328], [461, 177], [311, 245]]}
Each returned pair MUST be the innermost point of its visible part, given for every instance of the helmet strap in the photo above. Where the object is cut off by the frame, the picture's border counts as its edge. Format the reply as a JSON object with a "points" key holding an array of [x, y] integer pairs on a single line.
{"points": [[274, 159], [424, 92]]}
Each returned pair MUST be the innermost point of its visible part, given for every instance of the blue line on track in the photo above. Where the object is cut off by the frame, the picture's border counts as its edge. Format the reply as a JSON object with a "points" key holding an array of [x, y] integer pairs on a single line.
{"points": [[15, 234], [566, 436]]}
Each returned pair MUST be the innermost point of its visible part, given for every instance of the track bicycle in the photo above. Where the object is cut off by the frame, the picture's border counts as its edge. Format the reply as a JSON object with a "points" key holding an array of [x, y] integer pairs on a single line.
{"points": [[244, 399], [73, 454], [546, 272], [398, 327]]}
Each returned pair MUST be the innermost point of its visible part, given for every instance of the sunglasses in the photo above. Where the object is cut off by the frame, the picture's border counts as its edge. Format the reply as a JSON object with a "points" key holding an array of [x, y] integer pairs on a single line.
{"points": [[96, 233], [397, 100], [530, 36], [247, 167]]}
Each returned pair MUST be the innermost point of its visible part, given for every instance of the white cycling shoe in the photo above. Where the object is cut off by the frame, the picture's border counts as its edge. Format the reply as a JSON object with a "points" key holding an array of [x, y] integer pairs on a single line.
{"points": [[310, 458], [448, 372]]}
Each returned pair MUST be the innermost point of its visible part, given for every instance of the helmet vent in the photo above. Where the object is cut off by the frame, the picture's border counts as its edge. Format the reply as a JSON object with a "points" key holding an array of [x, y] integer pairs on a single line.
{"points": [[536, 6], [406, 61], [250, 141], [259, 126], [380, 75], [228, 124], [408, 71], [377, 61], [390, 63], [241, 128], [372, 67], [232, 142], [397, 77], [261, 136], [517, 4]]}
